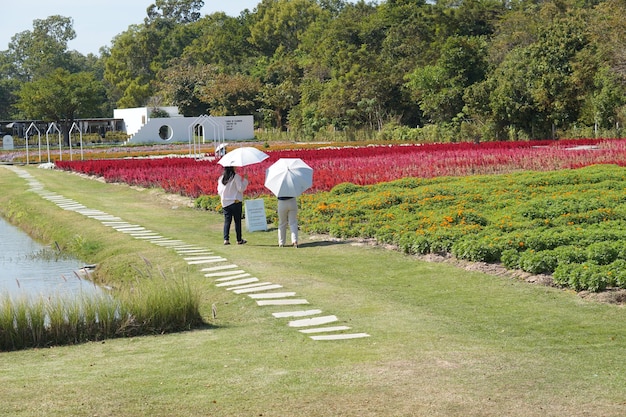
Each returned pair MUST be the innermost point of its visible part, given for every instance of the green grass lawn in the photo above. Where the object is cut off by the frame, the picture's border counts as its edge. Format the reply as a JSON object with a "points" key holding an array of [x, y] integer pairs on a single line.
{"points": [[444, 341]]}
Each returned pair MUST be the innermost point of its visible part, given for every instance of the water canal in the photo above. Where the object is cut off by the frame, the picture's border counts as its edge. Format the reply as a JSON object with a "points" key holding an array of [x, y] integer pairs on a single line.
{"points": [[30, 269]]}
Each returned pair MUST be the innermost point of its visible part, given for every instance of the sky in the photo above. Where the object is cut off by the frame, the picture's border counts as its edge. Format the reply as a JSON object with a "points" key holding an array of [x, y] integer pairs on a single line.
{"points": [[96, 22]]}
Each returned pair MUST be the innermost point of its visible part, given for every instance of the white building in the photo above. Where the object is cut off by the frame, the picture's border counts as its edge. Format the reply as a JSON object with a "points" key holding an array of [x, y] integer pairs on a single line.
{"points": [[136, 117], [177, 128]]}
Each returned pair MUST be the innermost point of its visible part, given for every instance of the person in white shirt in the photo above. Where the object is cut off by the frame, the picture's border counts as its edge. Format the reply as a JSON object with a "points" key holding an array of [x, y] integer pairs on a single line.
{"points": [[230, 188]]}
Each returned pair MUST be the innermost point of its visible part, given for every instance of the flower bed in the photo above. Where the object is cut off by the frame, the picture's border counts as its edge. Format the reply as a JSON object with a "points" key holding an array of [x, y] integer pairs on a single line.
{"points": [[362, 165], [544, 214]]}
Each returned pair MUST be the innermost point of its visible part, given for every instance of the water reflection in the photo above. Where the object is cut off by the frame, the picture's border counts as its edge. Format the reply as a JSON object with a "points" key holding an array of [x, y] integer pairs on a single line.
{"points": [[29, 269]]}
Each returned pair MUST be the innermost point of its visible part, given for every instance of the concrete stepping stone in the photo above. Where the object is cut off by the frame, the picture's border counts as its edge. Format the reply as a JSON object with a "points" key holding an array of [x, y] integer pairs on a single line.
{"points": [[126, 226], [71, 207], [153, 237], [130, 229], [185, 251], [340, 336], [301, 313], [91, 213], [224, 273], [206, 253], [265, 286], [325, 329], [315, 321], [273, 295], [282, 302], [218, 268], [200, 258], [107, 218], [245, 274], [237, 282], [207, 261], [166, 242]]}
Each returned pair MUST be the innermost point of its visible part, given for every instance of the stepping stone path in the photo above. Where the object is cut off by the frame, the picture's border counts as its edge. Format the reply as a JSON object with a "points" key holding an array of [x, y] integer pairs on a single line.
{"points": [[225, 275]]}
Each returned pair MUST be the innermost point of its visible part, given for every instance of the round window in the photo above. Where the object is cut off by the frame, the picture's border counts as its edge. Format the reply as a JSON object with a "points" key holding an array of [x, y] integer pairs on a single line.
{"points": [[166, 132]]}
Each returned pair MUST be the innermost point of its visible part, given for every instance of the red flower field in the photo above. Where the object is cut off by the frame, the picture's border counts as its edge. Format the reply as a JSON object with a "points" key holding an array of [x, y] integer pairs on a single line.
{"points": [[363, 165]]}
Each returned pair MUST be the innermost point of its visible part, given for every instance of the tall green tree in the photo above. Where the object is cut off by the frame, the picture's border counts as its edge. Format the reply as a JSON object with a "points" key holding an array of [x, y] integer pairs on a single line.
{"points": [[223, 41], [439, 88], [182, 85], [139, 53], [61, 97], [175, 11], [9, 85], [34, 53], [551, 70], [280, 90], [281, 23], [347, 82]]}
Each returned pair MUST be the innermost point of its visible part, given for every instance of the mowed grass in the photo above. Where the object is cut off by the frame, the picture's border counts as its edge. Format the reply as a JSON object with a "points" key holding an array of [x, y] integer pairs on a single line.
{"points": [[444, 341]]}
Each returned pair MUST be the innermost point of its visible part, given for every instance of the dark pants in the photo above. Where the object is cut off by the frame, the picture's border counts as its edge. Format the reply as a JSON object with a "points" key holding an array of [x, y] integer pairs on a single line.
{"points": [[233, 212]]}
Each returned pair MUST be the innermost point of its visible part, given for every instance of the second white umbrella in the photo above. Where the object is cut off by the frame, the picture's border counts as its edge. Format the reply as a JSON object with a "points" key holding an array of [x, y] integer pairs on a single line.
{"points": [[241, 157], [289, 177]]}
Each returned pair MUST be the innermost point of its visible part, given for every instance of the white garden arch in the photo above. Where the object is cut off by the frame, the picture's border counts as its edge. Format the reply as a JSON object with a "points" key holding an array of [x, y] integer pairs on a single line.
{"points": [[203, 121], [33, 126], [52, 127]]}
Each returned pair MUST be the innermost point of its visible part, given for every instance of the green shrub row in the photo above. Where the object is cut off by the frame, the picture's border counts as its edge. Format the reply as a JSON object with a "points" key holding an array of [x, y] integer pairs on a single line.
{"points": [[540, 222]]}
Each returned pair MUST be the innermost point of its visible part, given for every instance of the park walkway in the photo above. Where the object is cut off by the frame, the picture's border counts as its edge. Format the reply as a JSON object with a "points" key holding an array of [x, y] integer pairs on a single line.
{"points": [[310, 321]]}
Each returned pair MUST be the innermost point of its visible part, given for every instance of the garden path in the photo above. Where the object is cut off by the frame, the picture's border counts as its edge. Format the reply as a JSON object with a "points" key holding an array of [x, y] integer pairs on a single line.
{"points": [[312, 322]]}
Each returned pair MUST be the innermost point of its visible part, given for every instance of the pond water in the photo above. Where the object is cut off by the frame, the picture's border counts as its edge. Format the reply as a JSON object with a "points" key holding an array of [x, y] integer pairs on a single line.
{"points": [[30, 269]]}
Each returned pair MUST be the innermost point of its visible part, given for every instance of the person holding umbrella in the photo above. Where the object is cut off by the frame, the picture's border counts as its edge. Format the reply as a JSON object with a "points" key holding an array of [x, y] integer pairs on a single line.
{"points": [[230, 188], [287, 178]]}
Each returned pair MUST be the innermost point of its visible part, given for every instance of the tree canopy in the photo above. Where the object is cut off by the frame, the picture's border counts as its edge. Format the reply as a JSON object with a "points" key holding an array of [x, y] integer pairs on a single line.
{"points": [[480, 69]]}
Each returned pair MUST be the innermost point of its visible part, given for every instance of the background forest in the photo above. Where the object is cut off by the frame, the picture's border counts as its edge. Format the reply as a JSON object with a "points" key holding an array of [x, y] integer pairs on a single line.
{"points": [[445, 70]]}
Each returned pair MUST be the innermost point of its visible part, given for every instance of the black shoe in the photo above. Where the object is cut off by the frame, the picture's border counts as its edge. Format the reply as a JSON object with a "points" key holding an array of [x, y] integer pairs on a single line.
{"points": [[242, 242]]}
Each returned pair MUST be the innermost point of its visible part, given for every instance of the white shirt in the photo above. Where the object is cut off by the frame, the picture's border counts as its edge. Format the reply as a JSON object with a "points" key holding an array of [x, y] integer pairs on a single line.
{"points": [[232, 191]]}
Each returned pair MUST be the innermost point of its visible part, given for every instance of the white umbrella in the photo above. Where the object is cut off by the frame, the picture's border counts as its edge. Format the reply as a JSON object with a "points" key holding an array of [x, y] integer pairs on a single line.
{"points": [[289, 177], [242, 157]]}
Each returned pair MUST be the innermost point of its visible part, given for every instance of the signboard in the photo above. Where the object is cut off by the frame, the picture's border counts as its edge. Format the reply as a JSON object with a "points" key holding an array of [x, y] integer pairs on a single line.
{"points": [[255, 215], [7, 143]]}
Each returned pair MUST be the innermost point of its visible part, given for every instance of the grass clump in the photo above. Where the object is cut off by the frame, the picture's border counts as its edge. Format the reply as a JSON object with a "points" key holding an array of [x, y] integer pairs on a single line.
{"points": [[153, 307]]}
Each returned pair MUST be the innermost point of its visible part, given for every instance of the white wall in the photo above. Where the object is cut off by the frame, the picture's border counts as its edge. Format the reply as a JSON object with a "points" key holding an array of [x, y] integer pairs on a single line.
{"points": [[135, 118], [229, 128]]}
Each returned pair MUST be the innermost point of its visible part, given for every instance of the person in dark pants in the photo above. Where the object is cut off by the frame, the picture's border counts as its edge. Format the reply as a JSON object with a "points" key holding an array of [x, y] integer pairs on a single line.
{"points": [[230, 188]]}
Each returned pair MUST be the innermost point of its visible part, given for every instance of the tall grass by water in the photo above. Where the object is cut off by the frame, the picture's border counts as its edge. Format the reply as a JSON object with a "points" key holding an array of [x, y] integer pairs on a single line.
{"points": [[156, 306]]}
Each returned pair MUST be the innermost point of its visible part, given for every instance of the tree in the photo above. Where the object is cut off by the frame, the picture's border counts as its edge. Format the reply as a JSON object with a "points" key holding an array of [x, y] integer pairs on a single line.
{"points": [[606, 99], [35, 53], [228, 94], [61, 97], [439, 88], [139, 53], [175, 11], [182, 85], [222, 41], [8, 86], [281, 23], [128, 68], [551, 68], [280, 90]]}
